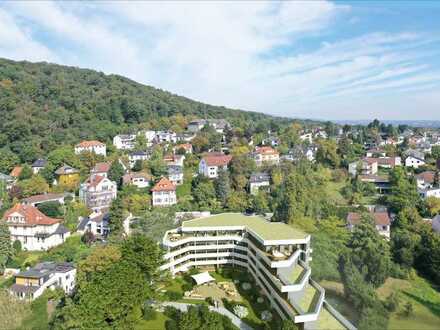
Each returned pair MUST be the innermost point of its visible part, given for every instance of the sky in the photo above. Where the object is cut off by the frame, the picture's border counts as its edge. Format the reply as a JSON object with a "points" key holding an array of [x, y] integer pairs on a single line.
{"points": [[323, 60]]}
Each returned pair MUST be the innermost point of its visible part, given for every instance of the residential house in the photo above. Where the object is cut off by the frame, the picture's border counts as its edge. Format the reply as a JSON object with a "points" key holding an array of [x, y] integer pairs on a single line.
{"points": [[124, 141], [67, 176], [365, 166], [175, 174], [388, 162], [266, 155], [138, 179], [382, 222], [31, 283], [258, 180], [382, 183], [150, 136], [101, 169], [220, 125], [429, 192], [425, 179], [375, 153], [44, 198], [33, 229], [96, 223], [306, 137], [165, 136], [174, 159], [271, 141], [138, 156], [414, 158], [164, 193], [38, 165], [7, 180], [94, 146], [98, 192], [212, 162], [185, 137]]}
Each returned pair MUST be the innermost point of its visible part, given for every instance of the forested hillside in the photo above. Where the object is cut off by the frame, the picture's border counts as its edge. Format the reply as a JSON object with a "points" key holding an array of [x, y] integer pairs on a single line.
{"points": [[44, 105]]}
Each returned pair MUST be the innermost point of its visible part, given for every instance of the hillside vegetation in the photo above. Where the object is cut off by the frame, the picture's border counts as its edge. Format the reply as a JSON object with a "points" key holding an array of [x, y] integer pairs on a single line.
{"points": [[45, 105]]}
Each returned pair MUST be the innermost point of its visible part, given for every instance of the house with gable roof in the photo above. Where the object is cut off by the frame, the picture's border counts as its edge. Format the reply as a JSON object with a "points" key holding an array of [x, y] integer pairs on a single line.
{"points": [[164, 193], [33, 229], [94, 146], [211, 163], [98, 192]]}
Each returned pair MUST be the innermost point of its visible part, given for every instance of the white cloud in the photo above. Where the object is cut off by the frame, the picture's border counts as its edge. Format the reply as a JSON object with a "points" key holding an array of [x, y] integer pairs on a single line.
{"points": [[239, 54]]}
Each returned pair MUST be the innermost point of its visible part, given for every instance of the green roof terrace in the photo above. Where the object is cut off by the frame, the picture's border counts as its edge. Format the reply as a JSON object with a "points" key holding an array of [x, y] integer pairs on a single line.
{"points": [[266, 230]]}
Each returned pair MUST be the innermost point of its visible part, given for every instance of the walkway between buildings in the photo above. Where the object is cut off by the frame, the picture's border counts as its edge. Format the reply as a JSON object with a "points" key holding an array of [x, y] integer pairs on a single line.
{"points": [[221, 310]]}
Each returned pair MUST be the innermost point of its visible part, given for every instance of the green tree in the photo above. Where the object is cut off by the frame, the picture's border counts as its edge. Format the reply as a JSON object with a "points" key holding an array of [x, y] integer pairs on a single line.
{"points": [[203, 192], [370, 252], [116, 217], [26, 173], [6, 249], [8, 160], [116, 172], [157, 165], [51, 209], [222, 186], [327, 153], [403, 192], [34, 186]]}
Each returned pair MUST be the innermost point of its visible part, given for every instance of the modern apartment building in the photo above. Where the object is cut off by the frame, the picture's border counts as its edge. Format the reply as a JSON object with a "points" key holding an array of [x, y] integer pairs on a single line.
{"points": [[275, 254]]}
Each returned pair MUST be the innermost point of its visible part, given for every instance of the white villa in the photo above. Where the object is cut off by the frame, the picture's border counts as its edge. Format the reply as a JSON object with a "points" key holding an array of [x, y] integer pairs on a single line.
{"points": [[164, 193], [276, 255], [210, 164], [124, 141], [33, 229], [98, 192], [96, 147]]}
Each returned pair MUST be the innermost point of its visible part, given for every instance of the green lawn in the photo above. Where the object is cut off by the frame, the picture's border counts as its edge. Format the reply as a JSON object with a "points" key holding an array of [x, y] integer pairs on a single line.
{"points": [[309, 299], [333, 190], [424, 298], [157, 324]]}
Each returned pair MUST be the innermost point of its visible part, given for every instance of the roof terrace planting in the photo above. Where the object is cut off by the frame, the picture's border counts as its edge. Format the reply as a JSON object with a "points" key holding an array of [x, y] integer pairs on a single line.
{"points": [[267, 231]]}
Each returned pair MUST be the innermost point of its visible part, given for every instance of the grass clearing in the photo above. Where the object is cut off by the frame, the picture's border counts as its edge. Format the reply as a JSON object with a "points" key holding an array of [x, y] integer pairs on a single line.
{"points": [[424, 298], [157, 324]]}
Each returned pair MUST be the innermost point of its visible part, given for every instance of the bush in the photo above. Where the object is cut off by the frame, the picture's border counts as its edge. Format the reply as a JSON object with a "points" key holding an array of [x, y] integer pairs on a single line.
{"points": [[209, 301], [392, 302], [51, 209], [174, 295], [408, 309], [17, 246], [171, 325], [172, 313], [148, 313]]}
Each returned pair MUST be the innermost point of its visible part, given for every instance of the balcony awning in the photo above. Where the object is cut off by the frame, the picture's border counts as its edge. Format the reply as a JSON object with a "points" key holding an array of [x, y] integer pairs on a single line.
{"points": [[203, 278]]}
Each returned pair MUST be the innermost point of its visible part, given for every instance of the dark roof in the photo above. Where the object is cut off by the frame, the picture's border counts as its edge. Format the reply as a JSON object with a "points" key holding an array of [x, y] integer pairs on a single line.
{"points": [[174, 169], [42, 198], [44, 268], [23, 288], [39, 163], [259, 177], [60, 230]]}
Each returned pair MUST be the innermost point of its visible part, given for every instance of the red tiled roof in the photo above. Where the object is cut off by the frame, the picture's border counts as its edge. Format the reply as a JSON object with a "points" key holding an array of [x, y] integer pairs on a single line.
{"points": [[31, 215], [87, 144], [42, 198], [217, 159], [101, 167], [266, 151], [94, 180], [186, 146], [16, 171], [380, 218], [427, 176], [164, 185]]}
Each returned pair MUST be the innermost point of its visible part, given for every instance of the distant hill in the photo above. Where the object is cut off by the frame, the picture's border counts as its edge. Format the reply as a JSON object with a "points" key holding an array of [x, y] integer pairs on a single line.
{"points": [[44, 105], [411, 123]]}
